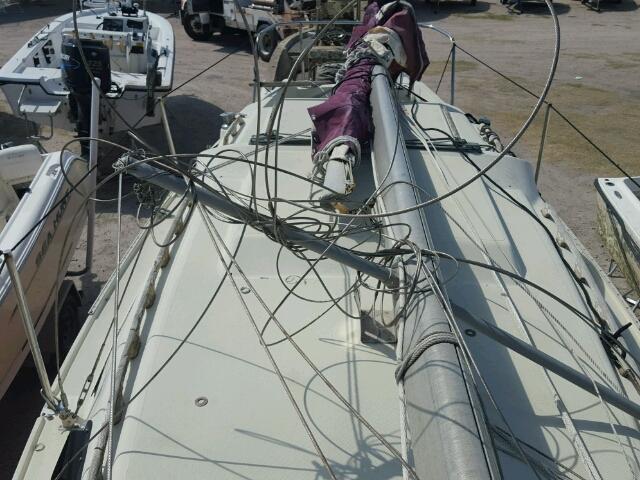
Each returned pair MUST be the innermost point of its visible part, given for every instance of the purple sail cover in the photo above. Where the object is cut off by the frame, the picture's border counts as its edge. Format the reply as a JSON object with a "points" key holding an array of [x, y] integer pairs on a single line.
{"points": [[401, 20], [347, 112], [368, 22]]}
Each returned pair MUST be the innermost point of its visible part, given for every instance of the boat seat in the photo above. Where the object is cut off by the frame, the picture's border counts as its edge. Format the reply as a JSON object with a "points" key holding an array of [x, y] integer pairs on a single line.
{"points": [[33, 100], [40, 106]]}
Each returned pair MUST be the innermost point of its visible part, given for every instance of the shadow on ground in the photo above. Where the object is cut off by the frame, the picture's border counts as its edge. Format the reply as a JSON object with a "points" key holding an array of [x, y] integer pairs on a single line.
{"points": [[230, 41], [32, 10], [14, 129], [433, 11], [614, 6], [194, 123]]}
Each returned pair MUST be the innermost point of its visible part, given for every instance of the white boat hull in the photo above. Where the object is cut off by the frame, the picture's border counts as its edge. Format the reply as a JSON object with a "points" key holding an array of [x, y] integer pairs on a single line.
{"points": [[619, 224], [33, 84], [43, 257]]}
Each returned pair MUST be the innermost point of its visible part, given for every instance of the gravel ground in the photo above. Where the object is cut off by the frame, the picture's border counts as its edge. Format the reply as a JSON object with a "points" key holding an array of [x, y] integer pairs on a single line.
{"points": [[597, 85]]}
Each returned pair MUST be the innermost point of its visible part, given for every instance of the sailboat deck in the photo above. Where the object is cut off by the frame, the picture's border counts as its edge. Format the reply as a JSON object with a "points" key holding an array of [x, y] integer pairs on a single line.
{"points": [[217, 409]]}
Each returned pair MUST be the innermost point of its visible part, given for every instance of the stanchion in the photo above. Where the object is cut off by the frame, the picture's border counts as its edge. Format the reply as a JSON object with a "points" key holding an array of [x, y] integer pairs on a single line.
{"points": [[542, 141], [94, 132]]}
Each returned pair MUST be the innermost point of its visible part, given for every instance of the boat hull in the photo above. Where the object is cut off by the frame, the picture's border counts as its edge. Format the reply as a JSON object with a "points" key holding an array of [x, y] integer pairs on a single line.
{"points": [[33, 84], [43, 257], [618, 208]]}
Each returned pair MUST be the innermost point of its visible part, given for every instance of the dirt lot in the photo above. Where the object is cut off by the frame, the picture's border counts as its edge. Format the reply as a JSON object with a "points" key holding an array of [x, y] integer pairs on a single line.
{"points": [[597, 85]]}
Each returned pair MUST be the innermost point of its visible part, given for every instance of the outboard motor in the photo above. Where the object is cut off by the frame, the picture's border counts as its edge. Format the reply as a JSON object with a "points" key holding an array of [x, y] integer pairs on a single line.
{"points": [[153, 80], [78, 80]]}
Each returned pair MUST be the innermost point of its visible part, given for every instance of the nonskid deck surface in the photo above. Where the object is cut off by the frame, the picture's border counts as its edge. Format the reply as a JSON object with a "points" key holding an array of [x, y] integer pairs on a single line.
{"points": [[217, 408], [247, 429]]}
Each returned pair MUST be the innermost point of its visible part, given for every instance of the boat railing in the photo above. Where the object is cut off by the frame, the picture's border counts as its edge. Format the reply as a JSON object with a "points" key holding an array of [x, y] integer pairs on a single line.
{"points": [[302, 24], [452, 56], [549, 107]]}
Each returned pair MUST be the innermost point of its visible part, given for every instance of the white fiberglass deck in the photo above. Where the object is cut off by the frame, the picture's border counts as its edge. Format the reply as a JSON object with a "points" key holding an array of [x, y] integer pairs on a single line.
{"points": [[217, 410]]}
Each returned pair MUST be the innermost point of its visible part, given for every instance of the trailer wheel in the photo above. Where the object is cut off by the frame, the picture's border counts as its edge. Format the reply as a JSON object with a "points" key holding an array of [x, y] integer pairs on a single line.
{"points": [[195, 29], [267, 44]]}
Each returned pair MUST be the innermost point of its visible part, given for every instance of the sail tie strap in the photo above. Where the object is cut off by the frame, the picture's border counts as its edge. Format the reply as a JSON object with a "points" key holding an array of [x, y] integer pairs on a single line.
{"points": [[426, 342]]}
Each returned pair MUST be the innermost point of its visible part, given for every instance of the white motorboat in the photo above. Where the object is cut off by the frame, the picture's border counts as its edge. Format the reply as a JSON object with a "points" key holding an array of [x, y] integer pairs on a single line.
{"points": [[130, 50], [41, 220], [619, 224], [428, 316]]}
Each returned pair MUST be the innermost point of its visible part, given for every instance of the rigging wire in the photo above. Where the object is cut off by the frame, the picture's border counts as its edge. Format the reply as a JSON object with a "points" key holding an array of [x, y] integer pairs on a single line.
{"points": [[276, 176], [114, 345], [163, 365], [175, 351], [609, 340], [378, 190], [567, 419], [258, 99], [113, 353], [499, 157], [201, 72], [472, 364], [317, 371], [278, 108], [274, 319], [444, 69], [215, 238], [584, 455], [273, 200]]}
